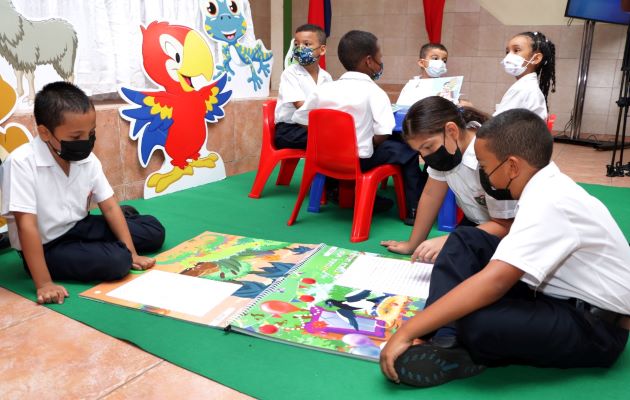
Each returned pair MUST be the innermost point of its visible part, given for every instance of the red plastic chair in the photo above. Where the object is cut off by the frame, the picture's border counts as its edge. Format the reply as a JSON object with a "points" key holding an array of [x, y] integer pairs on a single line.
{"points": [[332, 151], [551, 119], [270, 156]]}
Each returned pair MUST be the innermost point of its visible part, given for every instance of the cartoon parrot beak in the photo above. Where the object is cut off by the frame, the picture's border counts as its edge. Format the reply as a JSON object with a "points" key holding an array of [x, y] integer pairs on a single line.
{"points": [[197, 63]]}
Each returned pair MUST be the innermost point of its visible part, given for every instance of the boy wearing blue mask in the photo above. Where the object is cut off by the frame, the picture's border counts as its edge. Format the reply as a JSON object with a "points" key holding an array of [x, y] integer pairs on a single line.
{"points": [[356, 93], [47, 188], [297, 82]]}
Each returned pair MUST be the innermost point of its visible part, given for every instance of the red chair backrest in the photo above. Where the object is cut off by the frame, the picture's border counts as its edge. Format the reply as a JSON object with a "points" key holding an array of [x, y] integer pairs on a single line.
{"points": [[332, 143], [550, 121], [269, 124]]}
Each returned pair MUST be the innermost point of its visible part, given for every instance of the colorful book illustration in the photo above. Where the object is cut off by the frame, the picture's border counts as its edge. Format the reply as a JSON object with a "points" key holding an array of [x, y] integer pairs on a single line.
{"points": [[340, 301], [417, 89], [209, 279]]}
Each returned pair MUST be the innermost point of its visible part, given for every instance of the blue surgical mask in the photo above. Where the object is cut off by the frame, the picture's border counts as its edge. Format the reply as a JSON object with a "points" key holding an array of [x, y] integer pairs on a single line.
{"points": [[304, 55], [377, 75], [436, 68]]}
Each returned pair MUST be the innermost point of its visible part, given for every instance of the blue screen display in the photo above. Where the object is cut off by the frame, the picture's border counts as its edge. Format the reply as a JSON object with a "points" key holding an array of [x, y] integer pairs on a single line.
{"points": [[598, 10]]}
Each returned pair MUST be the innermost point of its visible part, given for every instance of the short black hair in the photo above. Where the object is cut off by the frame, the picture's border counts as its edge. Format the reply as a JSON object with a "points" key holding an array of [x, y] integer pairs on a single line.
{"points": [[354, 46], [518, 132], [57, 98], [321, 35], [429, 46]]}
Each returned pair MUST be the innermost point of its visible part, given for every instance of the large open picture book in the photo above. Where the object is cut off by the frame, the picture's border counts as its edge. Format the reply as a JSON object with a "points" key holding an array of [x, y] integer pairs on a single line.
{"points": [[316, 296]]}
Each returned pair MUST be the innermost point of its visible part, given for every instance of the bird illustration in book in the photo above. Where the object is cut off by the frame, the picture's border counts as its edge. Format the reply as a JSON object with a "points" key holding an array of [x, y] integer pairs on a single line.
{"points": [[355, 301], [174, 119]]}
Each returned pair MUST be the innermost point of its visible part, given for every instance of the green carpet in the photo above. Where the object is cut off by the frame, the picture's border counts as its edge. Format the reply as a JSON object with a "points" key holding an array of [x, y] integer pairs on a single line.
{"points": [[269, 370]]}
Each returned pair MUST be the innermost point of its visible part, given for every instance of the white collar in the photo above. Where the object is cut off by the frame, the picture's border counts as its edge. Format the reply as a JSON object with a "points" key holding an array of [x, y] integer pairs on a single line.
{"points": [[356, 75], [542, 175], [469, 157]]}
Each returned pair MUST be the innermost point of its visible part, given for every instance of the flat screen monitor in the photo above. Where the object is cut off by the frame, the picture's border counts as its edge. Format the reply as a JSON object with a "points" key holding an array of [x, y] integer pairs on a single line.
{"points": [[598, 10]]}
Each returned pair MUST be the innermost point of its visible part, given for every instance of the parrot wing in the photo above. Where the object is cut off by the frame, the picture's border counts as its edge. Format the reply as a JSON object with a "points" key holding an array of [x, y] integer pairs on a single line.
{"points": [[216, 99], [150, 121]]}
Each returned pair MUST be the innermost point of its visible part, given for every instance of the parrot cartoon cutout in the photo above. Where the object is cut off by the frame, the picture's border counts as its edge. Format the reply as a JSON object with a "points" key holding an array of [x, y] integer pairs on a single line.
{"points": [[174, 119], [244, 59]]}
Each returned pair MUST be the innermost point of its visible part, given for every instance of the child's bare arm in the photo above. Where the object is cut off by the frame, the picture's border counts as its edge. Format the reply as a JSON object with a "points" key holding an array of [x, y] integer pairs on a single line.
{"points": [[480, 290], [117, 223], [33, 252]]}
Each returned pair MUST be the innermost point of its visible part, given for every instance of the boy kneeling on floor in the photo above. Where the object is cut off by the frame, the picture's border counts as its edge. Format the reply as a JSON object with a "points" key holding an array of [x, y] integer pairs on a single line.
{"points": [[47, 188], [555, 292]]}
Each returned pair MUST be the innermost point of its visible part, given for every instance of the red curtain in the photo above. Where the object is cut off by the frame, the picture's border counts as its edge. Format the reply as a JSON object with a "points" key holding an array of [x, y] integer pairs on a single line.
{"points": [[317, 16], [433, 13]]}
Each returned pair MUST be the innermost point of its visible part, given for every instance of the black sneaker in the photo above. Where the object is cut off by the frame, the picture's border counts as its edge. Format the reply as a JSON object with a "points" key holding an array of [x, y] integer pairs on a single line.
{"points": [[427, 365], [382, 204], [129, 211], [411, 217]]}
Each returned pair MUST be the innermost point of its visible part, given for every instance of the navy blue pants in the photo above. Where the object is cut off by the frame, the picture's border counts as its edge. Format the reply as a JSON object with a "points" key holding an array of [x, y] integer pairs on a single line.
{"points": [[290, 136], [90, 251], [523, 327], [396, 151]]}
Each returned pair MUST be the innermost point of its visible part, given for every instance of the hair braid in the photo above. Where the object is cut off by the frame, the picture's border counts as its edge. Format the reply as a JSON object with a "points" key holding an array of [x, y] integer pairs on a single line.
{"points": [[546, 70]]}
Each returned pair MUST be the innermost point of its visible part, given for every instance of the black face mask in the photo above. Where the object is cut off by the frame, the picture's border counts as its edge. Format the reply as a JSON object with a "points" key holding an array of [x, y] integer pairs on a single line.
{"points": [[498, 194], [75, 150], [442, 160]]}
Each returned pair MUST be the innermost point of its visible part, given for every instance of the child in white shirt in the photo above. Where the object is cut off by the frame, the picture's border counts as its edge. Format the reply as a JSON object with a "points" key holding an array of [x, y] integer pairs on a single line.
{"points": [[531, 58], [297, 82]]}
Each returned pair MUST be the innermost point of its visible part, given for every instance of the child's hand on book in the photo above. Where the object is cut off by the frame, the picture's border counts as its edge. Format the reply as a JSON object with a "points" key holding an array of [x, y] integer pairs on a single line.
{"points": [[428, 250], [404, 247], [51, 293]]}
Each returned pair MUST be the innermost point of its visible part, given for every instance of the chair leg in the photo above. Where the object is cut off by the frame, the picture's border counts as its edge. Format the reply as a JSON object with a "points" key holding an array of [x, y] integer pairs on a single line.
{"points": [[287, 167], [307, 179], [399, 187], [317, 190], [363, 209], [265, 167]]}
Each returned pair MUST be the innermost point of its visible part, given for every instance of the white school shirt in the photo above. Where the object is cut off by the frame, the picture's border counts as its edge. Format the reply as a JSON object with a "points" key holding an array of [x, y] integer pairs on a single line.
{"points": [[357, 94], [568, 244], [524, 93], [296, 84], [33, 182], [463, 180]]}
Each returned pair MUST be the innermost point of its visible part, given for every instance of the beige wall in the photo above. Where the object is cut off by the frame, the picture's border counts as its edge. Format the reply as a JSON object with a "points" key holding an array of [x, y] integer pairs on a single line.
{"points": [[261, 16], [476, 42]]}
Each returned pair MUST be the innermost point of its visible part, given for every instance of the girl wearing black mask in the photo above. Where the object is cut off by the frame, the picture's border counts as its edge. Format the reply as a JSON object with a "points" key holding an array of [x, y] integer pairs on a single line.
{"points": [[444, 135]]}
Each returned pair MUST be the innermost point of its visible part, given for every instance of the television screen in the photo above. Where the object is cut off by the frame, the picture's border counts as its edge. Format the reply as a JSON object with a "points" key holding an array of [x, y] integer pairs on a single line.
{"points": [[598, 10]]}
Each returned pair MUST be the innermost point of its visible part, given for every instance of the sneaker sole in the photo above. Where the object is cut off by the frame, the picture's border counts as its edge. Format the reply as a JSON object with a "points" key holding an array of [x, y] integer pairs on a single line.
{"points": [[427, 365]]}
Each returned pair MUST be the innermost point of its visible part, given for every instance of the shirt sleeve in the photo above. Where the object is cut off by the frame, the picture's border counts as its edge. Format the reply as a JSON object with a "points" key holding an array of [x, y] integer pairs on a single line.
{"points": [[382, 113], [290, 90], [18, 187], [300, 116], [540, 239], [101, 188], [437, 175]]}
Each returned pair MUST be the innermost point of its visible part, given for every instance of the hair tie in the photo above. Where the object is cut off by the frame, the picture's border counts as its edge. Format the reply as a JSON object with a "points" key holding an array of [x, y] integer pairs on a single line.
{"points": [[460, 110], [473, 125]]}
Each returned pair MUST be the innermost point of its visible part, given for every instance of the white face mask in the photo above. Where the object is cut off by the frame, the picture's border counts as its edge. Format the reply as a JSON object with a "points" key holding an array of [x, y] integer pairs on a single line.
{"points": [[436, 68], [513, 64]]}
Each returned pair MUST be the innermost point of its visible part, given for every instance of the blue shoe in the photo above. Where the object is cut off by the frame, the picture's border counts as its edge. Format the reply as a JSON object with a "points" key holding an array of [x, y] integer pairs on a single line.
{"points": [[427, 365]]}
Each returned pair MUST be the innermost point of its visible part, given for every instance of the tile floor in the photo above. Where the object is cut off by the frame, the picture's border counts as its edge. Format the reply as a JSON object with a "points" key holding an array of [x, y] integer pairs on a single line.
{"points": [[68, 364]]}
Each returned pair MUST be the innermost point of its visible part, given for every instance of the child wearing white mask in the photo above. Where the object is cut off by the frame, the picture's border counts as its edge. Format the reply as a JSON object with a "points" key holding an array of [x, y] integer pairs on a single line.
{"points": [[531, 58], [432, 60]]}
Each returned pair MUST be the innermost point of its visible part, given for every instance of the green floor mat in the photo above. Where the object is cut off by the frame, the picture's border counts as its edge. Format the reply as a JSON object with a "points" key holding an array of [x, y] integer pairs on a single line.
{"points": [[269, 370]]}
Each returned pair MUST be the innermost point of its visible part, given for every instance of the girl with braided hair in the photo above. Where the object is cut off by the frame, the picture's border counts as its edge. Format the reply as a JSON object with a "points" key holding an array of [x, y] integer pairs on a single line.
{"points": [[531, 58]]}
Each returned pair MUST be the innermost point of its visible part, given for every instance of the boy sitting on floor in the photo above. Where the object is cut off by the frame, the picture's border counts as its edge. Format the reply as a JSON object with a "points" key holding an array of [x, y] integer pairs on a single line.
{"points": [[47, 188], [356, 93], [555, 292]]}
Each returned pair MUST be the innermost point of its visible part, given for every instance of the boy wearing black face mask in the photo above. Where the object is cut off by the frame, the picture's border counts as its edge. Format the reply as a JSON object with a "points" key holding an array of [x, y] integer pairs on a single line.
{"points": [[47, 189], [554, 292]]}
